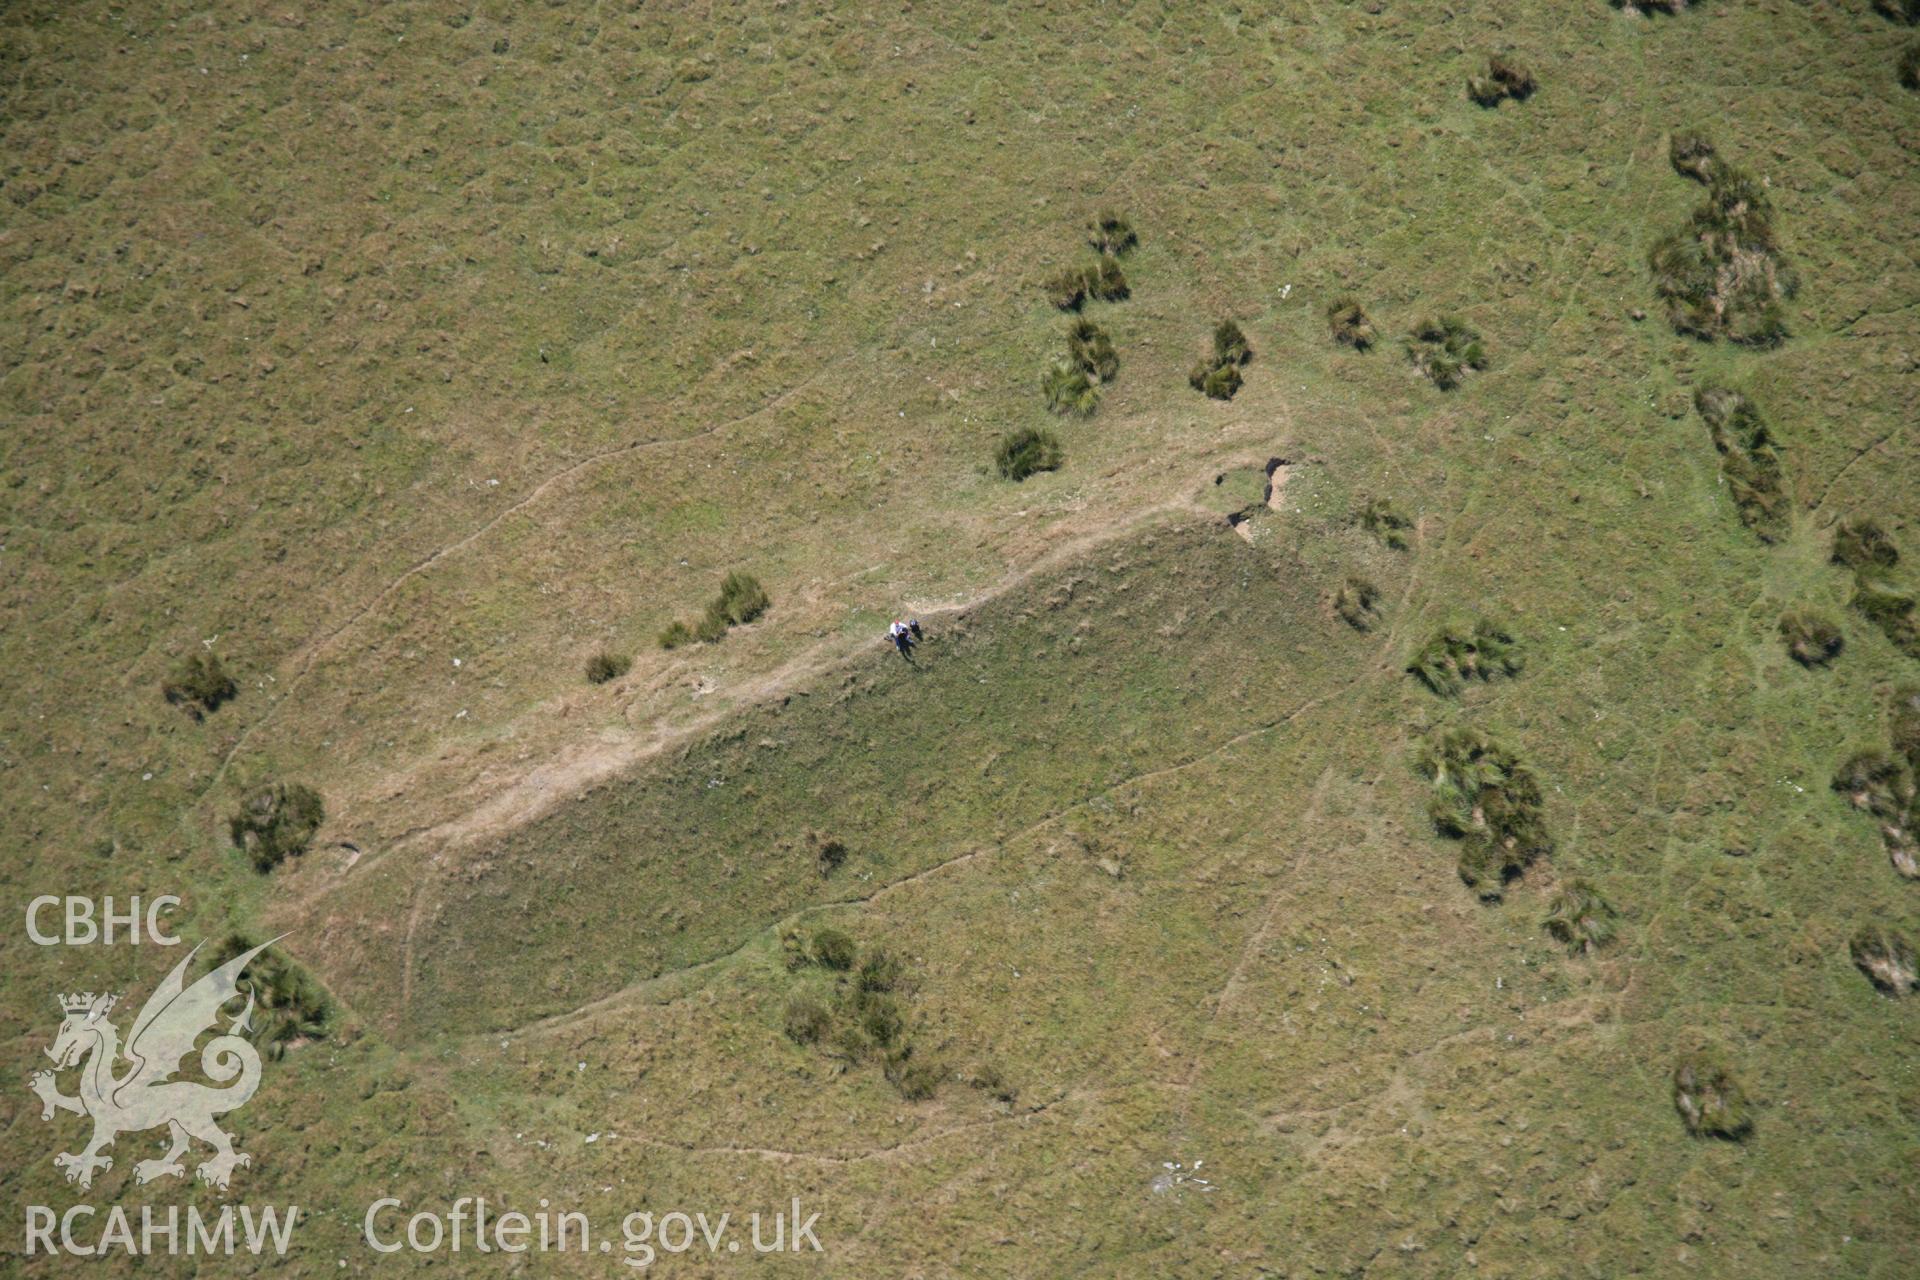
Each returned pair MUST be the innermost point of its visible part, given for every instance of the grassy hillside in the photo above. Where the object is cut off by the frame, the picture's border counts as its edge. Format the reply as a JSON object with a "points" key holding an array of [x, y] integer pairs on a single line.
{"points": [[405, 357]]}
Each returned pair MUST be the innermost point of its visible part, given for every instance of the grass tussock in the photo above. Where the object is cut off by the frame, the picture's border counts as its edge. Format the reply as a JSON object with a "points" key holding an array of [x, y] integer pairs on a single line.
{"points": [[1459, 652], [1110, 234], [607, 665], [1907, 69], [1903, 726], [1907, 11], [1863, 546], [742, 599], [1504, 79], [1710, 1100], [1027, 452], [1356, 602], [289, 1008], [1749, 460], [1070, 390], [1886, 958], [1812, 639], [1881, 784], [1101, 279], [829, 854], [1672, 8], [1091, 349], [1444, 349], [1580, 918], [852, 1007], [1379, 518], [1484, 797], [1867, 549], [199, 684], [1722, 274], [276, 822], [1347, 321], [1218, 376], [1693, 155]]}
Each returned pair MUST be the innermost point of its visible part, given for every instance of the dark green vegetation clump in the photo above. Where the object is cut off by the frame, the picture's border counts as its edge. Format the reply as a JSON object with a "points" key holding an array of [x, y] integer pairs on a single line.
{"points": [[1672, 8], [1484, 797], [1444, 349], [1347, 321], [1721, 274], [1693, 156], [276, 823], [1908, 68], [741, 600], [1025, 452], [1863, 546], [829, 854], [1091, 349], [855, 1012], [1101, 279], [289, 1007], [1580, 918], [1460, 651], [1069, 389], [1504, 79], [1886, 958], [1355, 603], [1218, 377], [1881, 784], [1907, 11], [1110, 234], [606, 665], [199, 684], [1812, 639], [1749, 461], [1379, 517], [1710, 1100]]}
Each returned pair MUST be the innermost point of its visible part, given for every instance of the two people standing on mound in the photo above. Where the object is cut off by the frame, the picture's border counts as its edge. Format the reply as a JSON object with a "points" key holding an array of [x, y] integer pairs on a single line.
{"points": [[905, 635]]}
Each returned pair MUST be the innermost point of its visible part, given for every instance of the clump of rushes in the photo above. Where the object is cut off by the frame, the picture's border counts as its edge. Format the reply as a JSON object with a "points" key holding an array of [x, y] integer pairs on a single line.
{"points": [[1378, 517], [1749, 461], [1886, 958], [1580, 918], [1103, 280], [1907, 11], [1459, 652], [289, 1008], [1908, 68], [1230, 345], [1863, 546], [1025, 452], [199, 684], [276, 822], [1069, 389], [834, 950], [1110, 234], [1091, 349], [1710, 1100], [1504, 79], [1444, 349], [1881, 785], [605, 666], [1349, 324], [1484, 797], [741, 600], [1692, 155], [1218, 377], [1722, 274], [1812, 639], [1355, 601]]}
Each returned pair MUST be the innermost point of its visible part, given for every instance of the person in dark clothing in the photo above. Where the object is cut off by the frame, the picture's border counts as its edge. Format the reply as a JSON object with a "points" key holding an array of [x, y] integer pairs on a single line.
{"points": [[913, 625], [902, 637]]}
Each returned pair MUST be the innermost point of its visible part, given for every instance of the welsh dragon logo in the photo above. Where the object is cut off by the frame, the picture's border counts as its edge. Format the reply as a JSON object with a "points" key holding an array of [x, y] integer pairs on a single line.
{"points": [[145, 1095]]}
